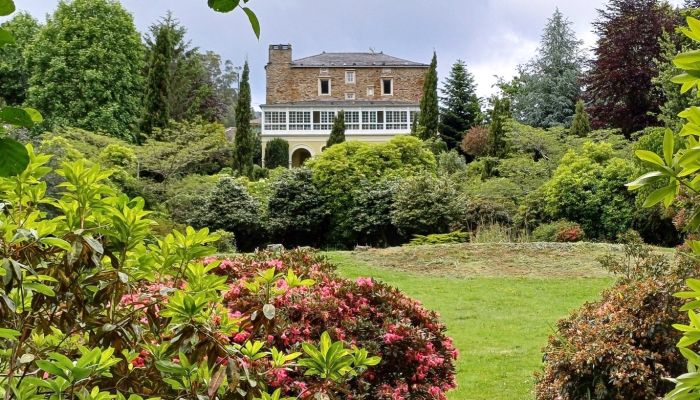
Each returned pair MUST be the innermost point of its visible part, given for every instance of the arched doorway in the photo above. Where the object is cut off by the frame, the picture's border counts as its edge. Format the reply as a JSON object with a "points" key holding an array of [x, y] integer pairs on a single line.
{"points": [[299, 157]]}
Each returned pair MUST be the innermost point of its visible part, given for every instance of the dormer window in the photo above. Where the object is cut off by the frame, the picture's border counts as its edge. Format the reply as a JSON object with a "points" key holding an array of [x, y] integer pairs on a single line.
{"points": [[387, 87], [350, 77], [324, 87]]}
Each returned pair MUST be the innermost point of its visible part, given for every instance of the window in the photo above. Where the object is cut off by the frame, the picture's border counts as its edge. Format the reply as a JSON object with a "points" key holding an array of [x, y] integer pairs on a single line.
{"points": [[275, 120], [300, 120], [372, 120], [349, 96], [323, 120], [352, 120], [324, 87], [413, 115], [370, 91], [387, 87], [350, 77], [397, 120]]}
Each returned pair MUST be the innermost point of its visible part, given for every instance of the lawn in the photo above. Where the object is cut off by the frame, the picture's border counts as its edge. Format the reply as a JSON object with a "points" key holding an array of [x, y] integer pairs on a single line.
{"points": [[499, 301]]}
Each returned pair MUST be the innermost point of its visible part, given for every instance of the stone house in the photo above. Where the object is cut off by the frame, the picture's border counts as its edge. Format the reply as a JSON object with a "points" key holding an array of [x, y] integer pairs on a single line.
{"points": [[379, 94]]}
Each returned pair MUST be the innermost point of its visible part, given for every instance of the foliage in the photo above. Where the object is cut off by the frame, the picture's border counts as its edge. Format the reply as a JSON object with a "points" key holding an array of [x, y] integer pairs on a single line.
{"points": [[460, 105], [64, 83], [500, 112], [580, 125], [243, 160], [588, 188], [181, 196], [14, 77], [429, 109], [439, 238], [225, 6], [539, 144], [297, 214], [549, 84], [230, 207], [639, 261], [423, 204], [451, 162], [475, 141], [620, 92], [485, 203], [559, 231], [277, 153], [338, 130], [370, 213], [163, 47]]}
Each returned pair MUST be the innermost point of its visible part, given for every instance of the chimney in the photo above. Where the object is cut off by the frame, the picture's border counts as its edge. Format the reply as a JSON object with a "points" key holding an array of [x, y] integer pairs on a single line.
{"points": [[280, 54]]}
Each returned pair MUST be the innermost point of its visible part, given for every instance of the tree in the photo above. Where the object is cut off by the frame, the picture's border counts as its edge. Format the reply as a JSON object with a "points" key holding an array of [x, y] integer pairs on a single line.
{"points": [[429, 108], [85, 68], [475, 142], [164, 46], [277, 153], [497, 146], [461, 109], [423, 204], [338, 130], [580, 126], [549, 85], [14, 77], [243, 160], [620, 92]]}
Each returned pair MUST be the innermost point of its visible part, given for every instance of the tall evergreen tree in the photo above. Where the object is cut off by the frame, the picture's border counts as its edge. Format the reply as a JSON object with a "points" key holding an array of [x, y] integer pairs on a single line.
{"points": [[500, 113], [580, 125], [165, 46], [549, 84], [14, 76], [461, 109], [338, 131], [244, 142], [429, 108], [85, 68], [620, 92]]}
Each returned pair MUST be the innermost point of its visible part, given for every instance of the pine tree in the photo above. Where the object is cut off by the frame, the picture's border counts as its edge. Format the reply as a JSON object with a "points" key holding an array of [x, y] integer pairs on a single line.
{"points": [[461, 109], [429, 108], [338, 131], [580, 126], [497, 146], [243, 157], [619, 87], [166, 36], [549, 85]]}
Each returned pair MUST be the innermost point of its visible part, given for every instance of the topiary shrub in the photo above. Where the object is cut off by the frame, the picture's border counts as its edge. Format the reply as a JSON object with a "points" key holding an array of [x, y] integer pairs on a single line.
{"points": [[440, 238], [559, 231], [277, 153]]}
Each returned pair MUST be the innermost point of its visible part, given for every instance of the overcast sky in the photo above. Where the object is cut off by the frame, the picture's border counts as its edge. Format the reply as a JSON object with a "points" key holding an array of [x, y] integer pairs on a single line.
{"points": [[491, 36]]}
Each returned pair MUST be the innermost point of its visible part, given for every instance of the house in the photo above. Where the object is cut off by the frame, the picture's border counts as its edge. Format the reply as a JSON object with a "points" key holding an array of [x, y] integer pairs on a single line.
{"points": [[379, 94]]}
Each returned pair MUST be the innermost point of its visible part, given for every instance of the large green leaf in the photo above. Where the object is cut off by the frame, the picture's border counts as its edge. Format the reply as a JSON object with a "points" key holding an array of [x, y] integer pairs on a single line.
{"points": [[16, 116], [223, 5], [253, 21], [7, 7], [13, 157]]}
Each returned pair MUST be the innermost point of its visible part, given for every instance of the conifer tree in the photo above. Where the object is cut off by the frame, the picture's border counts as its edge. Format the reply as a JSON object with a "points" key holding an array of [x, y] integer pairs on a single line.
{"points": [[429, 108], [243, 157], [338, 131], [580, 126], [163, 50], [497, 146], [461, 109]]}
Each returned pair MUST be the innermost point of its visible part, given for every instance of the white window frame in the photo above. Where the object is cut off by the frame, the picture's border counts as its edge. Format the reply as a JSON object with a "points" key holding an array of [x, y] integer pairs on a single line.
{"points": [[391, 80], [350, 73], [329, 87]]}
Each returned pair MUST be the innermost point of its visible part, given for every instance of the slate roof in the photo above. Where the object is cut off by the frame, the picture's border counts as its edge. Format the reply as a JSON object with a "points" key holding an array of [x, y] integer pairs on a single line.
{"points": [[343, 103], [354, 60]]}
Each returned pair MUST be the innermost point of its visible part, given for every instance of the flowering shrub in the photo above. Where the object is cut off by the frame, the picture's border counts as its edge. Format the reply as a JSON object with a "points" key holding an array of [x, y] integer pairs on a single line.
{"points": [[559, 231]]}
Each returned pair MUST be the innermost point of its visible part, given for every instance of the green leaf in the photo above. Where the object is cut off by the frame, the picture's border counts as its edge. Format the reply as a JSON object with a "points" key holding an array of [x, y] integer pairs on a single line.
{"points": [[649, 156], [6, 37], [57, 242], [223, 6], [14, 156], [34, 115], [253, 21], [668, 146], [16, 116], [10, 334], [659, 195], [7, 7]]}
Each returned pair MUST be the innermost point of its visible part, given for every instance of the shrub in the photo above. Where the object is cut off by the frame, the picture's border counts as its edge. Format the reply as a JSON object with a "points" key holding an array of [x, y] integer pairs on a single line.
{"points": [[620, 347], [370, 214], [297, 214], [423, 204], [417, 357], [497, 233], [226, 242], [451, 162], [182, 196], [639, 260], [559, 231], [476, 141], [277, 153], [439, 238]]}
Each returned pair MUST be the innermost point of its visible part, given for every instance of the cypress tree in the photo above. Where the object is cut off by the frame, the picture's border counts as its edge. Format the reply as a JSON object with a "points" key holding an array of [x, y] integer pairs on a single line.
{"points": [[243, 157], [497, 146], [277, 153], [461, 109], [160, 74], [338, 131], [429, 109], [580, 126]]}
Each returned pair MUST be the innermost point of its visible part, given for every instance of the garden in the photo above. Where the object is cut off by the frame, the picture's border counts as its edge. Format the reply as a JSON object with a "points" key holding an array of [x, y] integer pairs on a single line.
{"points": [[541, 244]]}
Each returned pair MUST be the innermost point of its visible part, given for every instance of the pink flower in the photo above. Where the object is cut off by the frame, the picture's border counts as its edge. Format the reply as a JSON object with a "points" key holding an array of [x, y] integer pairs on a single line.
{"points": [[365, 282], [390, 338]]}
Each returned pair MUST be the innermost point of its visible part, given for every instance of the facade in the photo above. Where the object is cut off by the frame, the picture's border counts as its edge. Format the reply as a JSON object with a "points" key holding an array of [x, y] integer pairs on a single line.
{"points": [[379, 94]]}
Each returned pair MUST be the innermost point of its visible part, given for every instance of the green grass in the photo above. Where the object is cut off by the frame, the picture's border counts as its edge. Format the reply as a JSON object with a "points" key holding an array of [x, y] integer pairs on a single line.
{"points": [[499, 301]]}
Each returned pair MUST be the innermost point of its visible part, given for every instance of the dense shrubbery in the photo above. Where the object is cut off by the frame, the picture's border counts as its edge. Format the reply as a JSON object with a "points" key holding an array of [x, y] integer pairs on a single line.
{"points": [[559, 231], [439, 238]]}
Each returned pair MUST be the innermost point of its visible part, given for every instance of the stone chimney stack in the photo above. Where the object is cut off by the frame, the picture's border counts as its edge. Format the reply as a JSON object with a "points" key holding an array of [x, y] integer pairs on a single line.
{"points": [[277, 73], [280, 54]]}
